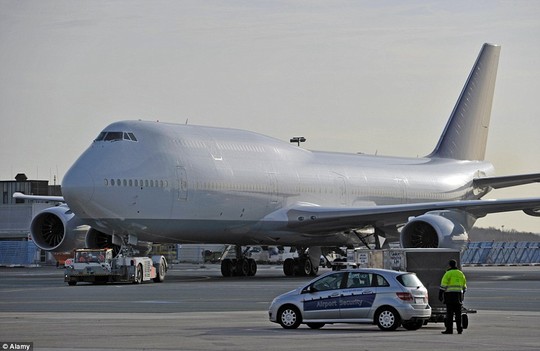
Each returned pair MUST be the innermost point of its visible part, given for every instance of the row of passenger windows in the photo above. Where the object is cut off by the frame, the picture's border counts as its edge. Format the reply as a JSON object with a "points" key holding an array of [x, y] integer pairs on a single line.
{"points": [[116, 136], [201, 144], [155, 183], [147, 183]]}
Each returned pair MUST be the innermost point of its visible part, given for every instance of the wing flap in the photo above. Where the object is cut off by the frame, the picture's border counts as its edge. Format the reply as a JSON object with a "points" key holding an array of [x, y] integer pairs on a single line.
{"points": [[324, 220]]}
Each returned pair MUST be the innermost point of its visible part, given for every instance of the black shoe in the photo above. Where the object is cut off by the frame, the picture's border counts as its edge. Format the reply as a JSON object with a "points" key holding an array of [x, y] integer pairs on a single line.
{"points": [[447, 332], [460, 331]]}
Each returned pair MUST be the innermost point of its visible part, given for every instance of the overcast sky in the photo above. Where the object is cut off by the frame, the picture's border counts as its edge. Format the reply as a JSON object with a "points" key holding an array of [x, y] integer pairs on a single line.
{"points": [[355, 76]]}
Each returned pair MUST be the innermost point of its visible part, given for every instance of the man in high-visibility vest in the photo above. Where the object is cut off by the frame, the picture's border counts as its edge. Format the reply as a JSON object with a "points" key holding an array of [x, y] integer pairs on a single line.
{"points": [[453, 286]]}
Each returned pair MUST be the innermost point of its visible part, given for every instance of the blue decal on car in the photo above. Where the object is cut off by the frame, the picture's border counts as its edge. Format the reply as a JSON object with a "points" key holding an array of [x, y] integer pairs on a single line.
{"points": [[356, 301]]}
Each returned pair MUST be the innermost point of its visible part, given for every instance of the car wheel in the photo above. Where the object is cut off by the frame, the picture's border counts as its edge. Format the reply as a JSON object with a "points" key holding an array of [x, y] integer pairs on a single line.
{"points": [[138, 275], [315, 325], [160, 274], [72, 283], [289, 317], [387, 319], [413, 325]]}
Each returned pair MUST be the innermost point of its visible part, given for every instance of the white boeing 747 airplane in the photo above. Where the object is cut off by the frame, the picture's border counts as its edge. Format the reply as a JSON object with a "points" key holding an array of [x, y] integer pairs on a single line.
{"points": [[171, 183]]}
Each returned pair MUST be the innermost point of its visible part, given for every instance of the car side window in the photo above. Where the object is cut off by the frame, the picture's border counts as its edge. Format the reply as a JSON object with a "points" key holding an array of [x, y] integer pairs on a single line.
{"points": [[330, 282], [359, 280], [380, 281]]}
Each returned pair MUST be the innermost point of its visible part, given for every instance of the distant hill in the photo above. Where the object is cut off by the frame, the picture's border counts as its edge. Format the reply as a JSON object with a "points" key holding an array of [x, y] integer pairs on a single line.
{"points": [[494, 234]]}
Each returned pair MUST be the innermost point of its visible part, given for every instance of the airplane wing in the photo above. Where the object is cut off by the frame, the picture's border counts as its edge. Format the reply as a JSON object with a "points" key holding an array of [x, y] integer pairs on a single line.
{"points": [[506, 181], [18, 195], [323, 220]]}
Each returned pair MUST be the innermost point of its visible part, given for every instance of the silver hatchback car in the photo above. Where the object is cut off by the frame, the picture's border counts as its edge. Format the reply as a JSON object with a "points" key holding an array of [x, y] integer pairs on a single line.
{"points": [[375, 296]]}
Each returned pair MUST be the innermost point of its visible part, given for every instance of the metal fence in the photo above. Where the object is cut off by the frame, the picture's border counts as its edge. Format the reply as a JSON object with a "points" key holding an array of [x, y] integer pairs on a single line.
{"points": [[501, 253], [16, 253], [476, 253]]}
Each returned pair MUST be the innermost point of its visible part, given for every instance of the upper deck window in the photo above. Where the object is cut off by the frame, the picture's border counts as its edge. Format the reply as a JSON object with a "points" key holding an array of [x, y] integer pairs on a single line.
{"points": [[116, 136]]}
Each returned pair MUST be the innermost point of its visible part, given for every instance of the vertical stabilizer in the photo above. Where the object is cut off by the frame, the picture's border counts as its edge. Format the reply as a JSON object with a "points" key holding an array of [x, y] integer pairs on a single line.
{"points": [[465, 134]]}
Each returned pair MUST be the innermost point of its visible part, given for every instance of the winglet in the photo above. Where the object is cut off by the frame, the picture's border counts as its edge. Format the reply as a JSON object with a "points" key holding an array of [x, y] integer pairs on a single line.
{"points": [[465, 134]]}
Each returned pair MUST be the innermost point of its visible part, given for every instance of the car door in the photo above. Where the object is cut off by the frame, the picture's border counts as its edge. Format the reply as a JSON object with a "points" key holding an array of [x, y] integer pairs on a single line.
{"points": [[321, 298], [358, 295]]}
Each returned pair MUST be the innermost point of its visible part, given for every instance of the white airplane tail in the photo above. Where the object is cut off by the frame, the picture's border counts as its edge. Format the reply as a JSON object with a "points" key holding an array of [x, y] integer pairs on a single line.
{"points": [[465, 134]]}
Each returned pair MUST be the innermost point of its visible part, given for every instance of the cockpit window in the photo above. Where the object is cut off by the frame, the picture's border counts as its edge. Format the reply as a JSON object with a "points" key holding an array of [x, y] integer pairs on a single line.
{"points": [[116, 136], [113, 136]]}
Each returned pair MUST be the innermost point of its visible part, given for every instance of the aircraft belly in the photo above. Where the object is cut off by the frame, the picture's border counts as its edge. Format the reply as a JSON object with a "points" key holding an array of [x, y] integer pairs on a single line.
{"points": [[220, 232]]}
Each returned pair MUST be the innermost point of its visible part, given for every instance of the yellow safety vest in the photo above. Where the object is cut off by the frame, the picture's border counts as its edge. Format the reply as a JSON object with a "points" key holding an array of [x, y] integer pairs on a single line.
{"points": [[454, 281]]}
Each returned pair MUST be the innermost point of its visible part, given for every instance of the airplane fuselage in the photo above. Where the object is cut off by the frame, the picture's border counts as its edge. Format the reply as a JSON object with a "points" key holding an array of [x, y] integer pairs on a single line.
{"points": [[182, 183]]}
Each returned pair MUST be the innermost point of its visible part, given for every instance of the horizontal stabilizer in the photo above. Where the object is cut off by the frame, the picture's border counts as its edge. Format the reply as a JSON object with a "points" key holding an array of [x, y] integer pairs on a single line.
{"points": [[506, 181], [21, 196]]}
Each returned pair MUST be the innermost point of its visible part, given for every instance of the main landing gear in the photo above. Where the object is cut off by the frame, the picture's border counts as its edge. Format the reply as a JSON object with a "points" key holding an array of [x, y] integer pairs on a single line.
{"points": [[306, 264], [241, 266]]}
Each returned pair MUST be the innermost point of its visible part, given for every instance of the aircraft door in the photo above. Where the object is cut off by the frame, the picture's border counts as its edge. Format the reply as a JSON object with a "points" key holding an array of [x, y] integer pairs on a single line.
{"points": [[274, 200], [322, 299], [341, 187], [182, 183], [358, 296]]}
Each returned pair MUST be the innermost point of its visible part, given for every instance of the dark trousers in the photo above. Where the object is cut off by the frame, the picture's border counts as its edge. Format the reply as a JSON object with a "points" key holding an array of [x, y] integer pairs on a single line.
{"points": [[453, 310]]}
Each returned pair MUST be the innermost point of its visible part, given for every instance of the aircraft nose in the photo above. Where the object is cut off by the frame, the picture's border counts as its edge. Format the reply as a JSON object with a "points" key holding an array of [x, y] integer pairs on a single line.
{"points": [[77, 187]]}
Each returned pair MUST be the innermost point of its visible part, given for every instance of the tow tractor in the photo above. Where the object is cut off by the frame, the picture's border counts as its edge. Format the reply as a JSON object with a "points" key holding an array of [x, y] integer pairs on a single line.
{"points": [[98, 266]]}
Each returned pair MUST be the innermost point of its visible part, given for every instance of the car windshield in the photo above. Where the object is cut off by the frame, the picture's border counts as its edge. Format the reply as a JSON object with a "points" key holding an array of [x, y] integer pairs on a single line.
{"points": [[409, 280], [330, 282], [89, 256]]}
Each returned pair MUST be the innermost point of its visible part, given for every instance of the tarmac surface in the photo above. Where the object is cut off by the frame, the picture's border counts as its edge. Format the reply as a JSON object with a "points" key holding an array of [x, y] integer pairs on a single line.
{"points": [[197, 309]]}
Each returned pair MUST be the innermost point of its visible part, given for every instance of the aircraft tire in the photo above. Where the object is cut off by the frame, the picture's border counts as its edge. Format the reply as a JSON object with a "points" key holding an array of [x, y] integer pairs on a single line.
{"points": [[288, 267], [306, 267], [252, 267], [242, 267], [226, 268]]}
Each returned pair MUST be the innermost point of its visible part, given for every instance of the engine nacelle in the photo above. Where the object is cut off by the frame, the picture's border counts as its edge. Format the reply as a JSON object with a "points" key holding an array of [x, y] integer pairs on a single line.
{"points": [[99, 240], [57, 229], [443, 229]]}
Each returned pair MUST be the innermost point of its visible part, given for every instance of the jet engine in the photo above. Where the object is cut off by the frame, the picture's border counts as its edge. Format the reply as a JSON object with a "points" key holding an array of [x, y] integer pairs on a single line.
{"points": [[99, 240], [57, 229], [444, 229]]}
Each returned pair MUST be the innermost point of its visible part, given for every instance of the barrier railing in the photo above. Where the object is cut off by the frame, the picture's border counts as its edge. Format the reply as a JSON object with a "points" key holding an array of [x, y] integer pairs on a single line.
{"points": [[501, 253], [17, 252]]}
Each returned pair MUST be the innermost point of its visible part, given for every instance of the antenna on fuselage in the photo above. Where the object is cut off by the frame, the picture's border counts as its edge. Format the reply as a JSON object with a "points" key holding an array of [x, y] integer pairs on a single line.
{"points": [[298, 140]]}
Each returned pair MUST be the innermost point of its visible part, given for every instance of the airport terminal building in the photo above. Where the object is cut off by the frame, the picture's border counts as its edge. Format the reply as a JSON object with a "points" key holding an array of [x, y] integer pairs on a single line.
{"points": [[16, 246]]}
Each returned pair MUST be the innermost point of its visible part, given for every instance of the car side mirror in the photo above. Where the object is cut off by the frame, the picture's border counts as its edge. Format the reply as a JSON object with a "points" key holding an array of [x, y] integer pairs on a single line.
{"points": [[308, 289]]}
